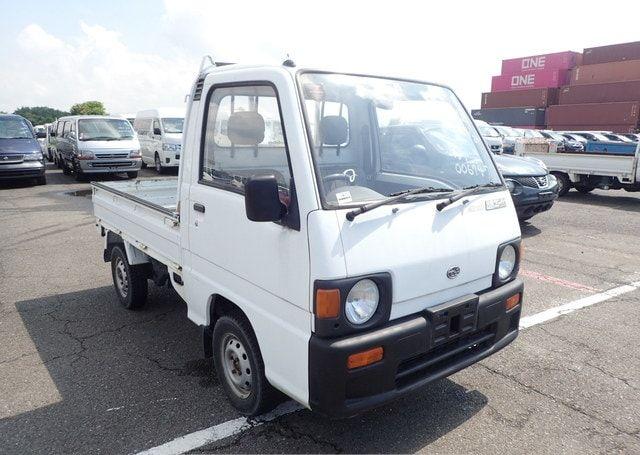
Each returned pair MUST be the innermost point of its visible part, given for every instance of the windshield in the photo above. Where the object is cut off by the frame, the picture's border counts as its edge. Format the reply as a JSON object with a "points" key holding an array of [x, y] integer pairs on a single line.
{"points": [[374, 137], [14, 128], [533, 133], [507, 131], [172, 125], [487, 131], [104, 129], [556, 136]]}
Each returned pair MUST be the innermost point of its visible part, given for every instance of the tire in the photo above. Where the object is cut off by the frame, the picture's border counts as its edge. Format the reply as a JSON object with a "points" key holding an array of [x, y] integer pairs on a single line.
{"points": [[238, 362], [525, 218], [584, 189], [144, 165], [129, 281], [65, 168], [158, 164], [132, 175], [41, 180], [49, 156], [564, 184], [80, 177]]}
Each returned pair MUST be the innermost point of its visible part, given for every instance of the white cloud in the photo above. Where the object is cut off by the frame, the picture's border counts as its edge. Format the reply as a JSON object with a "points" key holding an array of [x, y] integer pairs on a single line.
{"points": [[96, 65]]}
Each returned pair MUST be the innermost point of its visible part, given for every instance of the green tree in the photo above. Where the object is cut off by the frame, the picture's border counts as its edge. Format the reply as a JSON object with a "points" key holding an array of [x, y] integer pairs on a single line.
{"points": [[39, 115], [88, 108]]}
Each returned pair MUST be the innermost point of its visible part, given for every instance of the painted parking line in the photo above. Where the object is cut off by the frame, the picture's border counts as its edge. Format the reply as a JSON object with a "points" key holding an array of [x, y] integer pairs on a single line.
{"points": [[559, 281], [234, 427]]}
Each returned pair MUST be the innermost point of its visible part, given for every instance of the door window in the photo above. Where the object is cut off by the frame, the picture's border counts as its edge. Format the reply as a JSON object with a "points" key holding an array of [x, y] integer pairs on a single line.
{"points": [[244, 137], [156, 126], [67, 128]]}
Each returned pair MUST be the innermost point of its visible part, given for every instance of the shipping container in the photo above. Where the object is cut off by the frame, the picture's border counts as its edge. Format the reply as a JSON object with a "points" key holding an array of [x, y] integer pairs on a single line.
{"points": [[529, 80], [556, 61], [612, 53], [587, 127], [594, 114], [606, 72], [511, 116], [536, 97], [600, 93]]}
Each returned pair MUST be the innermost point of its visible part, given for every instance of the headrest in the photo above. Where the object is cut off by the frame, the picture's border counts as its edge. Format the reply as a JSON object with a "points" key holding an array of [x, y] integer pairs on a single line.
{"points": [[245, 128], [334, 130]]}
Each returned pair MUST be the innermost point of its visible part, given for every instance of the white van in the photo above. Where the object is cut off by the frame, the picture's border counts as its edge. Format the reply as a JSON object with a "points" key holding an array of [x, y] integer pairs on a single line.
{"points": [[160, 135], [343, 239]]}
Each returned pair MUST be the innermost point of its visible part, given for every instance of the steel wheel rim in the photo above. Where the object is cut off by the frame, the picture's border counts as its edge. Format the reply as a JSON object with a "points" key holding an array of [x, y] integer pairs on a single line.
{"points": [[236, 366], [122, 279]]}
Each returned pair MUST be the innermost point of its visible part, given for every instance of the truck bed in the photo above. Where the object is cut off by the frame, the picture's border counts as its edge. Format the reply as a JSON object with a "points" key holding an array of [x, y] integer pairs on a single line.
{"points": [[590, 163], [144, 213]]}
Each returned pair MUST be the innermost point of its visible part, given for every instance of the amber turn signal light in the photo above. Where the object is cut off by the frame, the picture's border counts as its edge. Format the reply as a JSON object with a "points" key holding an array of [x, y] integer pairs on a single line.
{"points": [[365, 358], [512, 301], [327, 303]]}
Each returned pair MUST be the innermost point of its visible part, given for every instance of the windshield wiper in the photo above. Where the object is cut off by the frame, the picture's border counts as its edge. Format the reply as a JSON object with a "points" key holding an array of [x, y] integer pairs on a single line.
{"points": [[394, 197], [465, 192]]}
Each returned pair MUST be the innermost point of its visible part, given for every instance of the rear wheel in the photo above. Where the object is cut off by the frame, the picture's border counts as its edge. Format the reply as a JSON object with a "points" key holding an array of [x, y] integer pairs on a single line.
{"points": [[130, 281], [564, 184], [584, 189], [240, 367]]}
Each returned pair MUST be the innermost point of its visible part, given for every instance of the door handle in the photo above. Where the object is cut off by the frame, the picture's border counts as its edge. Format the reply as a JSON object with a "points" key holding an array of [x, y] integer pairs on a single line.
{"points": [[198, 207]]}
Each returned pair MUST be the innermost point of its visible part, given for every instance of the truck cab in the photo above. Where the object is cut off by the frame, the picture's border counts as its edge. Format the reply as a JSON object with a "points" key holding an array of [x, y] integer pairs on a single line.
{"points": [[325, 253]]}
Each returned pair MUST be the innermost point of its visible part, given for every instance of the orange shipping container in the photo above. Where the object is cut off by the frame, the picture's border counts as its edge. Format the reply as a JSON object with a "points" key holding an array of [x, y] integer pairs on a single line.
{"points": [[605, 72]]}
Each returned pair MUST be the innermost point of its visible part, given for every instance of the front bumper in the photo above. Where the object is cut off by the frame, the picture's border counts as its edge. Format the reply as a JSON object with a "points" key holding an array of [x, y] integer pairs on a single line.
{"points": [[102, 165], [531, 201], [24, 170], [415, 354]]}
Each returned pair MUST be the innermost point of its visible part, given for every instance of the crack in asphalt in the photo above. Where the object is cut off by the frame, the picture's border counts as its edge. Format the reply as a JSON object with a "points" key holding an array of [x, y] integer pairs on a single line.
{"points": [[568, 405]]}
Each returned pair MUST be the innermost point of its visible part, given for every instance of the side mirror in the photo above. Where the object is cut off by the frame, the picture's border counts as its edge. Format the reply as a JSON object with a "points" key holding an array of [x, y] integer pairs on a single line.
{"points": [[157, 131], [262, 199], [41, 134]]}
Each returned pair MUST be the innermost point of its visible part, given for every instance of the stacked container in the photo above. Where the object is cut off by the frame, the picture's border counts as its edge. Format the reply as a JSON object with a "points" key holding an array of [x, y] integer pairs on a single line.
{"points": [[526, 86], [603, 92]]}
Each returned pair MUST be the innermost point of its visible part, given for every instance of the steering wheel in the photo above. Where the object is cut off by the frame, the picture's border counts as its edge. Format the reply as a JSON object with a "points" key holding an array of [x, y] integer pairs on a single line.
{"points": [[349, 176]]}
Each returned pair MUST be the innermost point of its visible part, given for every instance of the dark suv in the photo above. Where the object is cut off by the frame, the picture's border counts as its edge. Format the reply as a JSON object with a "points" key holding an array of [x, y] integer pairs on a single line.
{"points": [[20, 153]]}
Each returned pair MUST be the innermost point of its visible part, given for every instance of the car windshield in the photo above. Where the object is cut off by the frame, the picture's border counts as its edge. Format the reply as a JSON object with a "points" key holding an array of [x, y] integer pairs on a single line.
{"points": [[507, 131], [14, 128], [104, 129], [374, 137], [533, 133], [556, 136], [172, 125], [487, 131]]}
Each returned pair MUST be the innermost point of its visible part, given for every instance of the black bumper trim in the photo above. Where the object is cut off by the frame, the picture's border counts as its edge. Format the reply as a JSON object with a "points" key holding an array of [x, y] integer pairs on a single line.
{"points": [[411, 359]]}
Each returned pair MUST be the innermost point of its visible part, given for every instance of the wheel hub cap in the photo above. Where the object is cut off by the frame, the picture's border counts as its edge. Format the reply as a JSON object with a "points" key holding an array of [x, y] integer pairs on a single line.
{"points": [[236, 366]]}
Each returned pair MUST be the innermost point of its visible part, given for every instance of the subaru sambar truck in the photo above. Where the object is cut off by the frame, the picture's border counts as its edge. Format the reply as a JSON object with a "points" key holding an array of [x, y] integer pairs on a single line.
{"points": [[325, 254]]}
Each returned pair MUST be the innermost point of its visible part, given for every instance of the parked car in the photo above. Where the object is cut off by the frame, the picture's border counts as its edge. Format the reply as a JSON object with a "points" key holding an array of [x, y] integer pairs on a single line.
{"points": [[633, 136], [41, 136], [490, 136], [20, 152], [94, 144], [160, 135], [564, 144], [391, 263], [532, 188], [618, 138], [509, 136]]}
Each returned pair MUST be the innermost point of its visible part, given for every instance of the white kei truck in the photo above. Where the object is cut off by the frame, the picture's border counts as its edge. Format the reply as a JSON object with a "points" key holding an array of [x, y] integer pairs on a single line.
{"points": [[327, 252], [586, 171]]}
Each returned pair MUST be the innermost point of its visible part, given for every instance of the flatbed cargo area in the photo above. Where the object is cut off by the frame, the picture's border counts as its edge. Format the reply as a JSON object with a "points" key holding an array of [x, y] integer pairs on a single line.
{"points": [[159, 194]]}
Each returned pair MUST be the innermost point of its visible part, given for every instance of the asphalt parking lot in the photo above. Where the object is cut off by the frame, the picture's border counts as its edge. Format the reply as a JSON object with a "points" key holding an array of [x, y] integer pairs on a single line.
{"points": [[79, 374]]}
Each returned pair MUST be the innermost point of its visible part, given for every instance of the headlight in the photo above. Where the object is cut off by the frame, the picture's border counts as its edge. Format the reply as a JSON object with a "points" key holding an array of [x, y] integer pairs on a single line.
{"points": [[507, 262], [171, 147], [86, 155], [362, 301], [135, 154], [511, 185], [552, 180], [33, 157]]}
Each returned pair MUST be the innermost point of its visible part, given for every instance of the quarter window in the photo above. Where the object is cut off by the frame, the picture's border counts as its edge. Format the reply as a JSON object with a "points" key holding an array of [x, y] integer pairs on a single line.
{"points": [[244, 137]]}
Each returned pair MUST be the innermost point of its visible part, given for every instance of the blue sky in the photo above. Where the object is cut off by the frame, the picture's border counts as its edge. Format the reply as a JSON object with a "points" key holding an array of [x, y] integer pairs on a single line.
{"points": [[141, 54]]}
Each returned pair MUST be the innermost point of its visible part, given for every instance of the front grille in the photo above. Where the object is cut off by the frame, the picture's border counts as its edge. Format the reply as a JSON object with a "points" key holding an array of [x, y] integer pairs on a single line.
{"points": [[110, 156], [532, 182], [111, 164], [11, 159]]}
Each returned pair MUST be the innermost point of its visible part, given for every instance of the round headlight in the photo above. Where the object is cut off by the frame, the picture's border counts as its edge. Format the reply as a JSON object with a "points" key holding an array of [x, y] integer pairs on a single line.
{"points": [[507, 262], [362, 301]]}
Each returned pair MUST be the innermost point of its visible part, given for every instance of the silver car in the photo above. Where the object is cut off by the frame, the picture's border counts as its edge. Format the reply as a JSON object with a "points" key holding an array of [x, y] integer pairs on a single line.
{"points": [[92, 144]]}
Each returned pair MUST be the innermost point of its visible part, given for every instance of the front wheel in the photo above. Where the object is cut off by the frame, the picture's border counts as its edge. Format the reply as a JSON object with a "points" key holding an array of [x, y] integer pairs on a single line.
{"points": [[564, 184], [158, 164], [240, 368], [584, 189], [132, 175], [130, 281], [41, 180], [65, 168]]}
